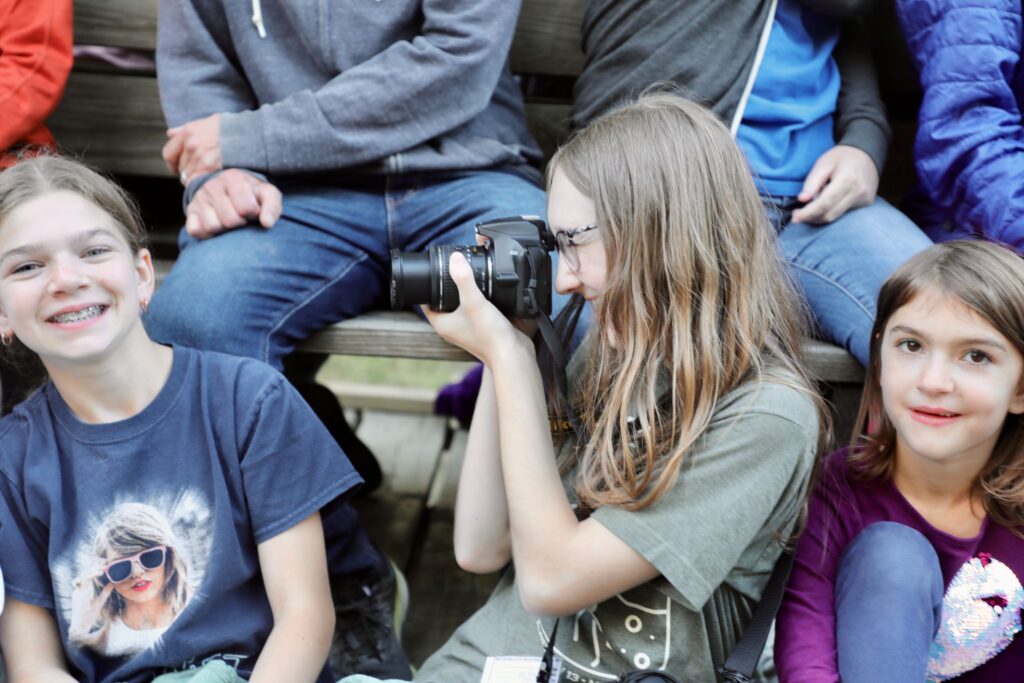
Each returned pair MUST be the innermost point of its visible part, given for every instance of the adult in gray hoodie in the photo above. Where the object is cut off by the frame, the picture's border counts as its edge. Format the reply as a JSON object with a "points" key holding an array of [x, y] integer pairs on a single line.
{"points": [[314, 137]]}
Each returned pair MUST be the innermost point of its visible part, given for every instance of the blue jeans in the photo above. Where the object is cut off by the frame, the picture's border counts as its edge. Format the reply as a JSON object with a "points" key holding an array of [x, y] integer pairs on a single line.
{"points": [[888, 605], [258, 293], [841, 266]]}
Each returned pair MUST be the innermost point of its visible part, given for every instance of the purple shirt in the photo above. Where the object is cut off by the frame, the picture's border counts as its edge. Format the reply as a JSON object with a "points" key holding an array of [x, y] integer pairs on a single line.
{"points": [[985, 568]]}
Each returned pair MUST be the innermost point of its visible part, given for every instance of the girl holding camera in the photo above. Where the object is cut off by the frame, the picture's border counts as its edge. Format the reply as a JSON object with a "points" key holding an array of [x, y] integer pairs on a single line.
{"points": [[653, 527]]}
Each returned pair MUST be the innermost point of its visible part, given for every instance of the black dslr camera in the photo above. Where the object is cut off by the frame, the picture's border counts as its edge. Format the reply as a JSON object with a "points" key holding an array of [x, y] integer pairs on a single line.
{"points": [[512, 269]]}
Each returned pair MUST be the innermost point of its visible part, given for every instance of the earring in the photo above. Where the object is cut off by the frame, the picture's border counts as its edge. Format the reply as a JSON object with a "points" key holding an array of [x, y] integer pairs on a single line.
{"points": [[6, 339], [144, 305]]}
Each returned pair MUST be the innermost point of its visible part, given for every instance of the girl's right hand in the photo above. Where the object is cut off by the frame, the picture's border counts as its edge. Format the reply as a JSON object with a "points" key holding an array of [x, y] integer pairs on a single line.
{"points": [[476, 325]]}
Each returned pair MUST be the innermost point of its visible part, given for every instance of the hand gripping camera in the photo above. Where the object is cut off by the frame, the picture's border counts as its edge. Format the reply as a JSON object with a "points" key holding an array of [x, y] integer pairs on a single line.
{"points": [[512, 269]]}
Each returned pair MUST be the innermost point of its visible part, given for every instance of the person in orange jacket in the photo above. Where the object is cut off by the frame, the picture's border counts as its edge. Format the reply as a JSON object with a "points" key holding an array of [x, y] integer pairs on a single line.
{"points": [[35, 58]]}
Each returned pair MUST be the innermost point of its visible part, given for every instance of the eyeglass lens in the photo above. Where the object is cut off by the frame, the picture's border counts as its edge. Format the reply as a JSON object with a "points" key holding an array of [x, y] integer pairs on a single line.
{"points": [[122, 569], [567, 248]]}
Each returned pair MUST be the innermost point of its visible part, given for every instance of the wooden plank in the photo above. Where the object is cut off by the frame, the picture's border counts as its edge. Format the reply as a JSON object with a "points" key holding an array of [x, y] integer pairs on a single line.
{"points": [[829, 363], [386, 398], [403, 334], [547, 39], [112, 121], [407, 448], [121, 23], [397, 334]]}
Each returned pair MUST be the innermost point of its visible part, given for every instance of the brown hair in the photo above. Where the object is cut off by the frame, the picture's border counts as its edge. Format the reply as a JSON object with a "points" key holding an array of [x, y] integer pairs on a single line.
{"points": [[696, 290], [988, 278], [39, 175]]}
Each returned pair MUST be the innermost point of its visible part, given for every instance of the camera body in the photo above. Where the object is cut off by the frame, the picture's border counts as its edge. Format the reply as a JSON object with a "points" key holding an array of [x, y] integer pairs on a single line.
{"points": [[512, 269]]}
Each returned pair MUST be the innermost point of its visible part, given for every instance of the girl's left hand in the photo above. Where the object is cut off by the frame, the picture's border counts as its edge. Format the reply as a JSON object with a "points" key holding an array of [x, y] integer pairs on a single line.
{"points": [[476, 325]]}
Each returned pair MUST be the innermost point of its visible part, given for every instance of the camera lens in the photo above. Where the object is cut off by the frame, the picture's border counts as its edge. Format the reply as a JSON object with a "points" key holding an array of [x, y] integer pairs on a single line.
{"points": [[423, 278], [447, 292], [410, 278]]}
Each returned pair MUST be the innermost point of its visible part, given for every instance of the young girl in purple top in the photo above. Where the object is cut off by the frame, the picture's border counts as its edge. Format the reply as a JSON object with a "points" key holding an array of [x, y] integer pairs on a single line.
{"points": [[909, 568]]}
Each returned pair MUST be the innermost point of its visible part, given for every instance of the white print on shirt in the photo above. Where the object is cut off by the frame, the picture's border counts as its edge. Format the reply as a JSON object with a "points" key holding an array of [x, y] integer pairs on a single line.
{"points": [[231, 660], [133, 568], [643, 638], [981, 613]]}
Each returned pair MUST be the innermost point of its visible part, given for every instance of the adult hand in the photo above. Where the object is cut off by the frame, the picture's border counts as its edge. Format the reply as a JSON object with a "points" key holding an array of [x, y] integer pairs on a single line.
{"points": [[842, 178], [230, 200], [476, 325], [194, 148]]}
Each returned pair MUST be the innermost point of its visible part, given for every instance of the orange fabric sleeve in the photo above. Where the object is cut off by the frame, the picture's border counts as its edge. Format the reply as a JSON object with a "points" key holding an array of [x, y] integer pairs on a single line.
{"points": [[35, 58]]}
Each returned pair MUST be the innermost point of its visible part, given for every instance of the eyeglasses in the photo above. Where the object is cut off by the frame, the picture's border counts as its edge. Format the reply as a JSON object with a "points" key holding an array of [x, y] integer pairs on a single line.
{"points": [[121, 570], [565, 242]]}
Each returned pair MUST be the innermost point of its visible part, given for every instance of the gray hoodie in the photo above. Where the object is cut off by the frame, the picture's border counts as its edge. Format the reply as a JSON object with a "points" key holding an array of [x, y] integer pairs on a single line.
{"points": [[370, 85]]}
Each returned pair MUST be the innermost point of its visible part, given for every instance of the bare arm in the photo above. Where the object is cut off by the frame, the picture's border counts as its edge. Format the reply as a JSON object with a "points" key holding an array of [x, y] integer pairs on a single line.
{"points": [[482, 542], [294, 566], [31, 645]]}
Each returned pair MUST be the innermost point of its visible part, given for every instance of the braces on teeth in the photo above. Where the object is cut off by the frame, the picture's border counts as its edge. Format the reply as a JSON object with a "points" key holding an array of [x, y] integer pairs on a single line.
{"points": [[76, 316]]}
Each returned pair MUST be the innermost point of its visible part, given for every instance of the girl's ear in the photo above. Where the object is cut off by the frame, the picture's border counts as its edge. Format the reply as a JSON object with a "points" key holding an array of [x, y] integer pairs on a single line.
{"points": [[1017, 401], [146, 274]]}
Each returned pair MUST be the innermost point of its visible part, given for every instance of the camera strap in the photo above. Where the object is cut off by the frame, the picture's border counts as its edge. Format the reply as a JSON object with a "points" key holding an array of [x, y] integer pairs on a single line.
{"points": [[739, 666], [555, 347]]}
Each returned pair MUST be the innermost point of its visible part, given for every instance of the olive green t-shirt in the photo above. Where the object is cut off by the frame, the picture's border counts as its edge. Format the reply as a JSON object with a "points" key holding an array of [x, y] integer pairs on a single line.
{"points": [[714, 537]]}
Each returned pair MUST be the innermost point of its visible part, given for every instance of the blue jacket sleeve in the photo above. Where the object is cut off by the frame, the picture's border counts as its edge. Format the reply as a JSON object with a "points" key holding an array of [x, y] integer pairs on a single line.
{"points": [[970, 142]]}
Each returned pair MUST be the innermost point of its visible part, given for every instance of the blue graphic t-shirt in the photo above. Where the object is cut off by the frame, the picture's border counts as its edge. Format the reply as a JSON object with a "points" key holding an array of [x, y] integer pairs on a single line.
{"points": [[140, 535]]}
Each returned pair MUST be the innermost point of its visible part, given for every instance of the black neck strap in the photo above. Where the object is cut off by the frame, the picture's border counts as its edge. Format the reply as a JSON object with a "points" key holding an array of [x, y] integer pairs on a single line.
{"points": [[559, 364], [742, 661]]}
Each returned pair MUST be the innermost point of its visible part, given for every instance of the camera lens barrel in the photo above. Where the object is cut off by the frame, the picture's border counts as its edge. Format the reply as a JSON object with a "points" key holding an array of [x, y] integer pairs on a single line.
{"points": [[411, 276], [423, 278], [479, 260]]}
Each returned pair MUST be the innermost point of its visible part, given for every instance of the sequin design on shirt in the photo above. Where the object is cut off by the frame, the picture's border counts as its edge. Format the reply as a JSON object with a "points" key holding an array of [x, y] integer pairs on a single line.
{"points": [[981, 613]]}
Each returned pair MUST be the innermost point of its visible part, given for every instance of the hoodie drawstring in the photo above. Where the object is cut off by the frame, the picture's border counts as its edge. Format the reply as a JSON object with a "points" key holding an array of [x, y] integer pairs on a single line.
{"points": [[257, 18]]}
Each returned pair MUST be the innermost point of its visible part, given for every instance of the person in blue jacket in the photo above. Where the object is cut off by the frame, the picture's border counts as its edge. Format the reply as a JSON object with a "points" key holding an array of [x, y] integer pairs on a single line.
{"points": [[969, 150]]}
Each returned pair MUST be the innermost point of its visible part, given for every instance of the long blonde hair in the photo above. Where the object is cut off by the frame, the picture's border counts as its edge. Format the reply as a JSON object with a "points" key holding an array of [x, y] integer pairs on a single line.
{"points": [[697, 291]]}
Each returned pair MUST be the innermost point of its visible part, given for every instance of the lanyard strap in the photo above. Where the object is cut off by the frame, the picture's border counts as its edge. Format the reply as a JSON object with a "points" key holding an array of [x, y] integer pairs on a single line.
{"points": [[740, 665]]}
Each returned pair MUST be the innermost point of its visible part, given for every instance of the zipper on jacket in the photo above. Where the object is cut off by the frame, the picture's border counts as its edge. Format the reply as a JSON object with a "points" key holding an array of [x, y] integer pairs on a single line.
{"points": [[762, 46]]}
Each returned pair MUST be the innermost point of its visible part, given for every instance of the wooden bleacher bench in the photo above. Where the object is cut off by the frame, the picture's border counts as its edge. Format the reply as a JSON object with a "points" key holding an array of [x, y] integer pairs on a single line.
{"points": [[113, 120]]}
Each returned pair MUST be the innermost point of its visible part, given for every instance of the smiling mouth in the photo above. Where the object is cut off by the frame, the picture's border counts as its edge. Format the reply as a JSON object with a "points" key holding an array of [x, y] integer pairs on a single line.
{"points": [[140, 586], [934, 416], [78, 316]]}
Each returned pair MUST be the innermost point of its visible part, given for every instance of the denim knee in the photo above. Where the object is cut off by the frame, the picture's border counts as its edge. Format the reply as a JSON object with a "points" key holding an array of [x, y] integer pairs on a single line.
{"points": [[898, 559]]}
